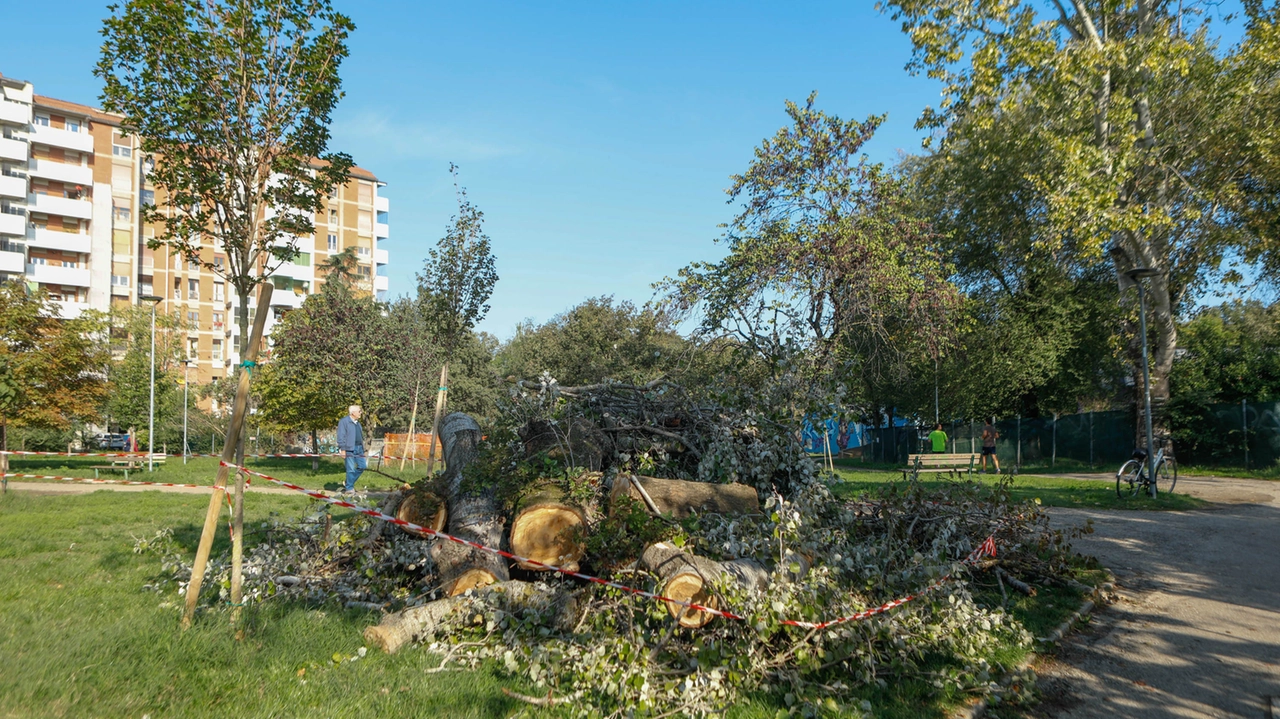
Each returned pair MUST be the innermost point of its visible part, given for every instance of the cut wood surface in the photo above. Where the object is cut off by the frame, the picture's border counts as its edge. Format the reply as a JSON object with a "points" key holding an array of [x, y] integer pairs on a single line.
{"points": [[688, 578], [558, 608], [472, 515], [680, 498], [548, 528], [412, 507]]}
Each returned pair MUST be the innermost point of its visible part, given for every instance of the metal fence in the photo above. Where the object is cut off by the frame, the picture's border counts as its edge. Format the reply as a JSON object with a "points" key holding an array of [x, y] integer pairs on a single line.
{"points": [[1235, 435]]}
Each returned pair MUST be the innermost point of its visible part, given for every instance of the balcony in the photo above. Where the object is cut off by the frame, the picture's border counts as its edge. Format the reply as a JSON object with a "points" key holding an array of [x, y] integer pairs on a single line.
{"points": [[381, 284], [15, 112], [64, 206], [381, 230], [54, 275], [15, 187], [54, 240], [61, 171], [380, 257], [13, 262], [286, 298], [11, 149], [381, 204], [70, 309], [13, 222], [79, 141]]}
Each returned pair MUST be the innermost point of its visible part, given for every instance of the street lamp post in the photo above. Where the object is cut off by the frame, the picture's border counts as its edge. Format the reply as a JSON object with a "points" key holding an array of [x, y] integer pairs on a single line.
{"points": [[1137, 274], [186, 382], [151, 413]]}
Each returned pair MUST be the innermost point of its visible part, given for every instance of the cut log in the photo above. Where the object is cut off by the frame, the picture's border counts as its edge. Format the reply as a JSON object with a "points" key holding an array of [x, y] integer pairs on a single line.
{"points": [[548, 528], [688, 578], [681, 498], [423, 509], [557, 607], [472, 513], [581, 444]]}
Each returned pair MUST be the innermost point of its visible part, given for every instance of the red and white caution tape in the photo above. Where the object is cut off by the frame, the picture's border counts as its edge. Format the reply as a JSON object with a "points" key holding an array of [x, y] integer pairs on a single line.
{"points": [[141, 455], [95, 480], [987, 548]]}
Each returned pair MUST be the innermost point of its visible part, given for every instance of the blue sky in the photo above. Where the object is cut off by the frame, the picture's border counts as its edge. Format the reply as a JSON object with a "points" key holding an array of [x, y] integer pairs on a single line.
{"points": [[597, 138]]}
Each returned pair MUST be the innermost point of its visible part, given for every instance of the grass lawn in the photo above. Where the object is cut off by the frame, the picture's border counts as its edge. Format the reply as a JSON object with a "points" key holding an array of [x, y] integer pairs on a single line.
{"points": [[1050, 491], [81, 638], [203, 470]]}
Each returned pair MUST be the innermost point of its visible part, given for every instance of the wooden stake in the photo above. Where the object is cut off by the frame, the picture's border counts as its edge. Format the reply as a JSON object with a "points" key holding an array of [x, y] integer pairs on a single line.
{"points": [[238, 412], [413, 420], [435, 423]]}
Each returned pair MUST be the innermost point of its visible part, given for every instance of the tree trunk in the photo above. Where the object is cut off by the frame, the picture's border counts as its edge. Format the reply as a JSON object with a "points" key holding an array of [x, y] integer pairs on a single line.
{"points": [[424, 510], [549, 528], [688, 578], [559, 609], [681, 498], [315, 449], [473, 515]]}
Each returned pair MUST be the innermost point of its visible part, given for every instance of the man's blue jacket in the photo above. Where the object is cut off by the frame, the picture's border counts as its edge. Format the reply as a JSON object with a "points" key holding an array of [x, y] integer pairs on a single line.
{"points": [[350, 436]]}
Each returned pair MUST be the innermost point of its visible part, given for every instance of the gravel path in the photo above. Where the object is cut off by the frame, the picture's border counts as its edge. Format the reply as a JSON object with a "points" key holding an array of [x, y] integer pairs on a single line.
{"points": [[1196, 628]]}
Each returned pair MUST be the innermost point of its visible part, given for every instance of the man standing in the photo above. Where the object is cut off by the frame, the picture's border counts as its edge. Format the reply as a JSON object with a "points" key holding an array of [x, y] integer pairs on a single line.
{"points": [[939, 440], [989, 435], [351, 442]]}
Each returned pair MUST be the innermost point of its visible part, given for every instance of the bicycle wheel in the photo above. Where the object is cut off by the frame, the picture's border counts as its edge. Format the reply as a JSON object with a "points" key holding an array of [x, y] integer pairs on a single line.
{"points": [[1127, 479], [1167, 474]]}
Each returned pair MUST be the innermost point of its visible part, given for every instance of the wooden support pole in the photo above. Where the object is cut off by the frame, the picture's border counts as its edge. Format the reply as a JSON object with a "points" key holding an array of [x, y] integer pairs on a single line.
{"points": [[238, 412], [413, 421], [435, 423]]}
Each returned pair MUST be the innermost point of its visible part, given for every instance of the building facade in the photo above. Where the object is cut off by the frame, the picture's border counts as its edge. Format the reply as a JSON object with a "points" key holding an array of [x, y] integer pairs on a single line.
{"points": [[71, 190]]}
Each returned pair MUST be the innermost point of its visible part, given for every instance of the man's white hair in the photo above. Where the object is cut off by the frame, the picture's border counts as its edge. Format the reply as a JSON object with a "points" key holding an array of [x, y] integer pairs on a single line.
{"points": [[353, 409]]}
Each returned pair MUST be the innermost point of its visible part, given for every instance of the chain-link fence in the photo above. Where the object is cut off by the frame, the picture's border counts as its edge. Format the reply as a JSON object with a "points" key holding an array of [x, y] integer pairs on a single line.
{"points": [[1225, 435]]}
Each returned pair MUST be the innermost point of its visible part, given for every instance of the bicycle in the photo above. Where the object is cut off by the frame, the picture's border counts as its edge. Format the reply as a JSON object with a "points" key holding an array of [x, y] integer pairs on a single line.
{"points": [[1133, 475]]}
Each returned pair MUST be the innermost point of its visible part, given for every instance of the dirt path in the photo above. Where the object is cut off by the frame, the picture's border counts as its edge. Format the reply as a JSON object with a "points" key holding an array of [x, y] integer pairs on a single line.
{"points": [[1196, 628]]}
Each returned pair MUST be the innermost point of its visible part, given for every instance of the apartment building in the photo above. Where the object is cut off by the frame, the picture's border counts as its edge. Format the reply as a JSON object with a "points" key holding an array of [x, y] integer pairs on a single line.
{"points": [[71, 190]]}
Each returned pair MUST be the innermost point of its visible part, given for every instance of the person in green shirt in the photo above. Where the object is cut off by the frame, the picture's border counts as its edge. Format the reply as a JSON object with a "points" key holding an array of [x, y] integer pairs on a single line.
{"points": [[939, 440]]}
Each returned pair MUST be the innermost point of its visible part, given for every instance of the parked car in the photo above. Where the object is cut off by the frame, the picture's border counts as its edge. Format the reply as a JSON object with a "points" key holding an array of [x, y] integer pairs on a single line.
{"points": [[113, 441]]}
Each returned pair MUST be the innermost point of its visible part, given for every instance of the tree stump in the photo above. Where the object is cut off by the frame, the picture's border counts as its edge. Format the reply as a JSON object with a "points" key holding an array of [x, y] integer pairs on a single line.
{"points": [[681, 498], [688, 578], [473, 515], [549, 528]]}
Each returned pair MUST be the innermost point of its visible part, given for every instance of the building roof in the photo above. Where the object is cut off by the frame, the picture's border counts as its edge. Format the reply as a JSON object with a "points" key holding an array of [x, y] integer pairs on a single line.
{"points": [[91, 112]]}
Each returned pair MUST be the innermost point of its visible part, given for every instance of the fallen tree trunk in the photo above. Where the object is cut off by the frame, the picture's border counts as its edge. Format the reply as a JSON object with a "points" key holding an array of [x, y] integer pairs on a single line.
{"points": [[423, 509], [688, 578], [680, 498], [473, 515], [550, 528], [558, 607]]}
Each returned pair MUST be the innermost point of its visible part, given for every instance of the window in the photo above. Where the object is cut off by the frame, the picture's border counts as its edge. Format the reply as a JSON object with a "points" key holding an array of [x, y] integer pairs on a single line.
{"points": [[217, 350], [193, 289], [38, 261], [364, 270], [218, 291], [217, 262], [121, 214], [364, 222], [144, 288], [302, 259], [41, 120], [193, 319], [121, 150], [217, 320], [235, 343], [333, 243], [193, 264], [362, 251], [366, 193], [73, 125], [177, 288], [148, 198], [193, 348], [333, 217], [119, 281]]}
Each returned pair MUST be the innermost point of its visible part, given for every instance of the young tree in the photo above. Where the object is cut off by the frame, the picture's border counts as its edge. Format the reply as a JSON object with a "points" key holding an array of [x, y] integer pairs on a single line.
{"points": [[129, 401], [52, 371], [826, 257], [1112, 106], [454, 288], [326, 355], [231, 100]]}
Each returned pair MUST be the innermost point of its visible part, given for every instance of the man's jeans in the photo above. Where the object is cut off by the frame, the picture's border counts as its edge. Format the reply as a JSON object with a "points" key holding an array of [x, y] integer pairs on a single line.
{"points": [[356, 464]]}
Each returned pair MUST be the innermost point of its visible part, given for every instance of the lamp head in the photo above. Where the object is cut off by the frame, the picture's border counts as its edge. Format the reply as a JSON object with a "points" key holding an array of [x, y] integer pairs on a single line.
{"points": [[1138, 273], [150, 298]]}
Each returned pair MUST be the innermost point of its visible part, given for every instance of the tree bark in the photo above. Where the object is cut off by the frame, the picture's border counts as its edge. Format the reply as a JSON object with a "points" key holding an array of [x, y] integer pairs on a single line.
{"points": [[315, 449], [688, 578], [441, 397], [681, 498], [473, 515], [549, 528], [558, 608]]}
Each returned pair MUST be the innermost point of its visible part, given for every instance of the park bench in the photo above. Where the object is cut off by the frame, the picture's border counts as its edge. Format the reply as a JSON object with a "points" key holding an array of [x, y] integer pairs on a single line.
{"points": [[132, 464], [953, 463]]}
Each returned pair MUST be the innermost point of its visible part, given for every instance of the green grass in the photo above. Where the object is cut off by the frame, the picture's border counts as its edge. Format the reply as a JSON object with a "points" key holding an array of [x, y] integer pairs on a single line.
{"points": [[82, 638], [203, 470], [1049, 491]]}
